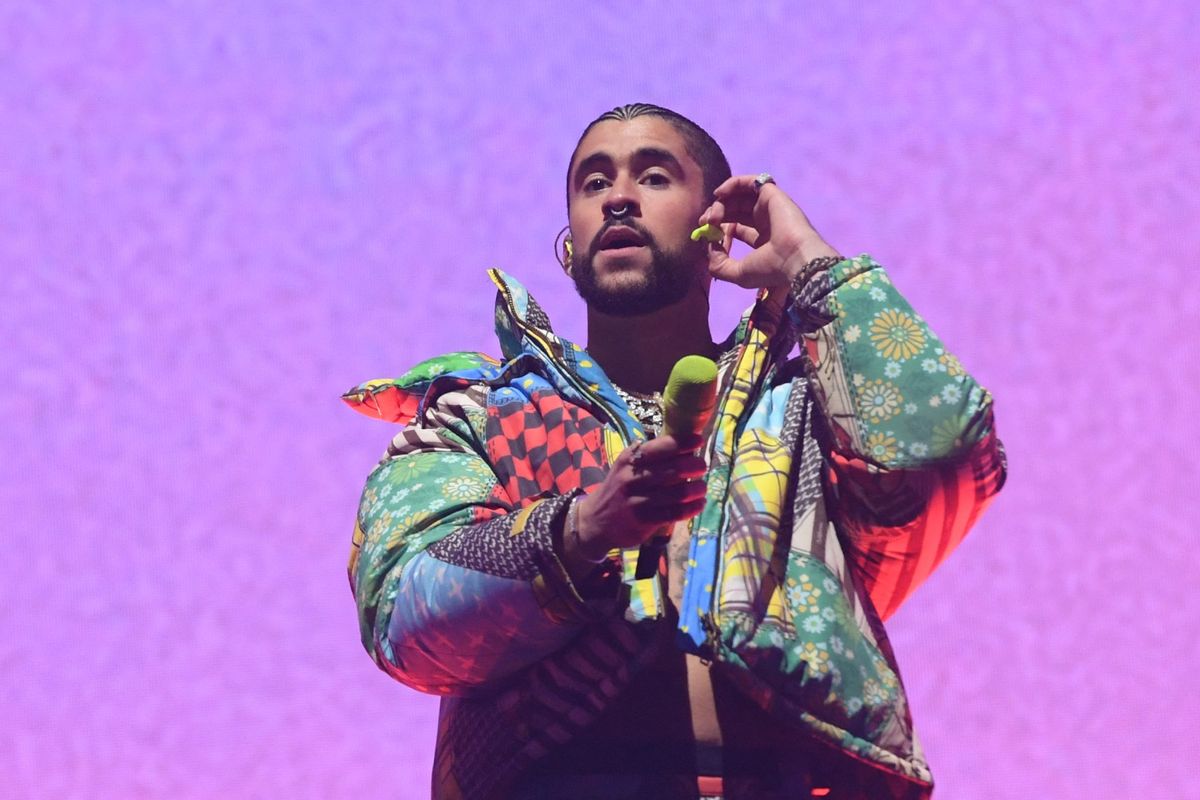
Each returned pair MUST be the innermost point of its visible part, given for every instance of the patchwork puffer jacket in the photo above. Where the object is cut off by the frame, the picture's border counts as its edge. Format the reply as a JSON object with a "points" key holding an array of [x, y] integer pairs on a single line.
{"points": [[838, 480]]}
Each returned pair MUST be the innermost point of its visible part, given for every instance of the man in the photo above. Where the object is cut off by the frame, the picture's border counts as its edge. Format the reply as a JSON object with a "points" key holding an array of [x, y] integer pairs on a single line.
{"points": [[494, 554]]}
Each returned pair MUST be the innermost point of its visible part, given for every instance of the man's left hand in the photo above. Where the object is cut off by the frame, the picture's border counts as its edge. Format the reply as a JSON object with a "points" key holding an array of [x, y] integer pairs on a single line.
{"points": [[765, 218]]}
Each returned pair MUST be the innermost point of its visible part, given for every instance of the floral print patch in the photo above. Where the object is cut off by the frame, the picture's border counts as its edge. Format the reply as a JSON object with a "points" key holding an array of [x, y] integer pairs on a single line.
{"points": [[912, 398]]}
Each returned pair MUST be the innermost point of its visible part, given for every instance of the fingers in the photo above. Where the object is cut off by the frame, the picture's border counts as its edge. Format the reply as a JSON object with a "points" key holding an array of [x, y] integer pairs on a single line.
{"points": [[664, 447], [737, 200], [739, 184], [650, 484], [660, 515], [666, 503], [733, 185], [666, 460], [667, 472], [721, 266], [743, 189], [743, 233], [673, 494], [730, 213], [714, 214], [733, 200], [735, 209], [662, 474]]}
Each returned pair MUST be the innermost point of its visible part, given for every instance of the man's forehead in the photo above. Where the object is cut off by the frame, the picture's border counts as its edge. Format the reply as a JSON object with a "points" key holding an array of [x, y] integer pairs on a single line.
{"points": [[622, 138]]}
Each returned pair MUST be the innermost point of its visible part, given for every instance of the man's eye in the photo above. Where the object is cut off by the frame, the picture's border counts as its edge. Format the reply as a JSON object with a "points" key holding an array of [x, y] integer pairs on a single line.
{"points": [[595, 184], [655, 179]]}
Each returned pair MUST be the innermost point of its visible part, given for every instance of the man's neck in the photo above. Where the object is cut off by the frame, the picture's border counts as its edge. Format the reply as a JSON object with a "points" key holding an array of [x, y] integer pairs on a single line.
{"points": [[637, 353]]}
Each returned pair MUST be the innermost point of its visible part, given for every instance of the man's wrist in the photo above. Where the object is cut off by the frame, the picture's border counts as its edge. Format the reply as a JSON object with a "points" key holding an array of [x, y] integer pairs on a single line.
{"points": [[578, 557], [805, 254]]}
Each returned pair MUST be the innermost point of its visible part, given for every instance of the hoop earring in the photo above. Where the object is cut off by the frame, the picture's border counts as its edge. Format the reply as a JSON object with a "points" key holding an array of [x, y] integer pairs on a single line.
{"points": [[563, 252]]}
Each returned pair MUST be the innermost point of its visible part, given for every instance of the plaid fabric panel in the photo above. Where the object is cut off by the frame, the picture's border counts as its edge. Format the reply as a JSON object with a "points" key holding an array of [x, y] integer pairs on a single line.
{"points": [[739, 388]]}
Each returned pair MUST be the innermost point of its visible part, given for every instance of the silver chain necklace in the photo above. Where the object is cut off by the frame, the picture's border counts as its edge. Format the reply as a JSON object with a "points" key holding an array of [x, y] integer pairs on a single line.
{"points": [[646, 409]]}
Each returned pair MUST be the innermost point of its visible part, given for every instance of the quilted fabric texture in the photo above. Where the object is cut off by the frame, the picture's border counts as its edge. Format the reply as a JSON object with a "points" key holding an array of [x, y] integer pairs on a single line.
{"points": [[216, 218]]}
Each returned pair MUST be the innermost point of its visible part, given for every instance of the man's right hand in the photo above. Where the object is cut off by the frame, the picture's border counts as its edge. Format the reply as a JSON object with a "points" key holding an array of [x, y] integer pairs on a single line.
{"points": [[651, 484]]}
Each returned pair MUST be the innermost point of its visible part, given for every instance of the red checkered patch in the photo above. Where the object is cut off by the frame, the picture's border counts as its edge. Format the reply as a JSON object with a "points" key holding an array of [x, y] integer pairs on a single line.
{"points": [[544, 446]]}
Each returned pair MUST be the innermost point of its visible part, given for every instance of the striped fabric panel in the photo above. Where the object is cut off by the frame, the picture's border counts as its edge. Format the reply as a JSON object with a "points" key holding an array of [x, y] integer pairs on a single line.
{"points": [[564, 700], [420, 440], [894, 559], [449, 412], [490, 740]]}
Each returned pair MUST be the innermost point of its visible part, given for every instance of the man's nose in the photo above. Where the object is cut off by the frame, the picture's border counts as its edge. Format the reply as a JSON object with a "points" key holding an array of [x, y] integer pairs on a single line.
{"points": [[622, 200]]}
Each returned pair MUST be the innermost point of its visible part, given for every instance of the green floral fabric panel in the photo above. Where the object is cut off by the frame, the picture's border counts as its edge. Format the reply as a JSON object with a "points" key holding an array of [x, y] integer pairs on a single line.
{"points": [[409, 503], [833, 667], [431, 368], [913, 401]]}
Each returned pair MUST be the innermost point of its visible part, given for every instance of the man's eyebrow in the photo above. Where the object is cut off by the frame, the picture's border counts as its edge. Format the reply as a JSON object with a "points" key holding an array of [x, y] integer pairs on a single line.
{"points": [[643, 154], [658, 155], [588, 164]]}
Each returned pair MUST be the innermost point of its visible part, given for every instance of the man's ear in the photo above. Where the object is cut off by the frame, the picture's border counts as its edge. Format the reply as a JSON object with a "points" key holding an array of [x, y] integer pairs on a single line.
{"points": [[568, 254]]}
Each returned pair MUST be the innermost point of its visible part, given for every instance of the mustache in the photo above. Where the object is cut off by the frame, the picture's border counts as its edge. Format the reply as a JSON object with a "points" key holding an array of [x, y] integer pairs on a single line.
{"points": [[620, 223]]}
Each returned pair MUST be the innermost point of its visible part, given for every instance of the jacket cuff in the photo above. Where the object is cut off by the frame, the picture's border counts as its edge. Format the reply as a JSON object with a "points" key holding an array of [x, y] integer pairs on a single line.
{"points": [[595, 597], [808, 310]]}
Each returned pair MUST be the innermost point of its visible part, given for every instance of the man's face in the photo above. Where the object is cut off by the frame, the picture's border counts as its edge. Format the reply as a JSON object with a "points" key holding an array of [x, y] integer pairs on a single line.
{"points": [[634, 197]]}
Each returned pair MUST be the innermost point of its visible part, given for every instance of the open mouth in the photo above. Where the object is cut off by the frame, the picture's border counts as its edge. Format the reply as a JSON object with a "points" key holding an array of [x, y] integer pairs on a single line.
{"points": [[620, 238]]}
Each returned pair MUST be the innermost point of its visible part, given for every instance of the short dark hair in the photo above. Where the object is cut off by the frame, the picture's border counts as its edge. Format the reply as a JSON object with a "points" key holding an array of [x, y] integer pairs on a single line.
{"points": [[703, 149]]}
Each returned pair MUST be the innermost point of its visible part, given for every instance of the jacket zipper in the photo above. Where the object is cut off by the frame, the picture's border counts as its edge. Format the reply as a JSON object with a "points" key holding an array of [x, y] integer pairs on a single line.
{"points": [[568, 374]]}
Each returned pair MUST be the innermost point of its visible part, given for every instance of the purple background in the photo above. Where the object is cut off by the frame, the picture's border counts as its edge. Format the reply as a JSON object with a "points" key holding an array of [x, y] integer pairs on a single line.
{"points": [[216, 217]]}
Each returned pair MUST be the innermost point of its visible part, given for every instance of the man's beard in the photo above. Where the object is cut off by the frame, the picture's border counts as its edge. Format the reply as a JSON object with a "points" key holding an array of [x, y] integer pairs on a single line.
{"points": [[666, 282]]}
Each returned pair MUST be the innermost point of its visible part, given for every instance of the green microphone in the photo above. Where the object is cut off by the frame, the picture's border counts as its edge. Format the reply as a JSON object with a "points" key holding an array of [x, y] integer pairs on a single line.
{"points": [[688, 403]]}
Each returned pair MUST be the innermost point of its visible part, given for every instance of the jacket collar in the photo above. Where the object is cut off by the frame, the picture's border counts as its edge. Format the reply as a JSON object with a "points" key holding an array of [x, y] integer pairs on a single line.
{"points": [[517, 312], [523, 329]]}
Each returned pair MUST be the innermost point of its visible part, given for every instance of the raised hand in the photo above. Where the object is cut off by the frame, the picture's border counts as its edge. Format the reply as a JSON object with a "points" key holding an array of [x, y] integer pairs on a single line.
{"points": [[765, 218]]}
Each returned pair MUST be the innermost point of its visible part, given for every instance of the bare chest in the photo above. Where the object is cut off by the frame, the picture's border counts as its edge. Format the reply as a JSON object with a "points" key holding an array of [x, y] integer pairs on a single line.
{"points": [[706, 726]]}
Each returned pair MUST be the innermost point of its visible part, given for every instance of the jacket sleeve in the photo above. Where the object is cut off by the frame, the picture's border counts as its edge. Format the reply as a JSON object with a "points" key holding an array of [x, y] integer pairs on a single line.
{"points": [[458, 586], [914, 456]]}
